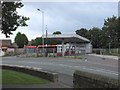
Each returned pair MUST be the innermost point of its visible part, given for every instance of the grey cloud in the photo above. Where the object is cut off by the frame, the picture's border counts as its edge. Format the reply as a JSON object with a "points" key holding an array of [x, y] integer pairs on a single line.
{"points": [[67, 16]]}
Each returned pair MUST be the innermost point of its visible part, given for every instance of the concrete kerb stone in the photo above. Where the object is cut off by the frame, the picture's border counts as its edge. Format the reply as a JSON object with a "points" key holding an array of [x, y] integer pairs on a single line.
{"points": [[33, 71]]}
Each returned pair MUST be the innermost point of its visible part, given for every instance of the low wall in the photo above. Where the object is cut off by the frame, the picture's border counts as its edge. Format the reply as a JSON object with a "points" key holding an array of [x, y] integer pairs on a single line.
{"points": [[19, 51], [33, 71], [83, 79]]}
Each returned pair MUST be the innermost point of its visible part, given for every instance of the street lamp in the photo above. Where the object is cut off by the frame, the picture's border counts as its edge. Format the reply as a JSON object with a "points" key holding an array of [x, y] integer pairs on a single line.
{"points": [[109, 44], [42, 29]]}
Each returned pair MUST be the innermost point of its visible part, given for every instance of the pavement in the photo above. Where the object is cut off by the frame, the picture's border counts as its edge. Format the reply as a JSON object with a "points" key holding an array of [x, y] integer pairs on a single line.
{"points": [[49, 85], [105, 56], [65, 67]]}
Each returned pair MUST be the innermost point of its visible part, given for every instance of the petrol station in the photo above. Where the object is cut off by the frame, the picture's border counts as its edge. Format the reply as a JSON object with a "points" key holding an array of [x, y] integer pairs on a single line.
{"points": [[71, 44]]}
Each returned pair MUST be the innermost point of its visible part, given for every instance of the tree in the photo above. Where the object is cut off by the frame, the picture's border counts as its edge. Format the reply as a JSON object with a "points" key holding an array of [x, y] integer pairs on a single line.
{"points": [[111, 30], [108, 35], [57, 32], [55, 42], [25, 39], [38, 41], [10, 18], [95, 35], [21, 40], [32, 42], [82, 32]]}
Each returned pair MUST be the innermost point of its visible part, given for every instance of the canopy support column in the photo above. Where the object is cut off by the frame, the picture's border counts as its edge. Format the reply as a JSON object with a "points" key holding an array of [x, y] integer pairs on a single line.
{"points": [[63, 51], [70, 48]]}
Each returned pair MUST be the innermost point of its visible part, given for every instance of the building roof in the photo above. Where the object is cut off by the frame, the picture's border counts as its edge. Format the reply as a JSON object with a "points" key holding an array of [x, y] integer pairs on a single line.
{"points": [[67, 38], [5, 42], [13, 45]]}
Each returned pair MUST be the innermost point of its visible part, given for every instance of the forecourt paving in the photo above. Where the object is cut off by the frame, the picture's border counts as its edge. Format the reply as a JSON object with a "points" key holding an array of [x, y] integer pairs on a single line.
{"points": [[65, 67]]}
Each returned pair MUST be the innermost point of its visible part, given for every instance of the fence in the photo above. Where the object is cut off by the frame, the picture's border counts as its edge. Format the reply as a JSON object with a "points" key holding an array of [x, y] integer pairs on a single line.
{"points": [[115, 51]]}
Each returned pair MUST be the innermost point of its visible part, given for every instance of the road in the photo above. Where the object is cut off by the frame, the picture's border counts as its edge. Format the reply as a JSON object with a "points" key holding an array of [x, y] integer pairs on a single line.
{"points": [[65, 67]]}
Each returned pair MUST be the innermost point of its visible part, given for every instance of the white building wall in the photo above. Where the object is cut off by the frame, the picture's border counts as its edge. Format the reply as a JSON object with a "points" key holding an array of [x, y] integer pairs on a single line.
{"points": [[79, 48], [88, 48], [1, 52]]}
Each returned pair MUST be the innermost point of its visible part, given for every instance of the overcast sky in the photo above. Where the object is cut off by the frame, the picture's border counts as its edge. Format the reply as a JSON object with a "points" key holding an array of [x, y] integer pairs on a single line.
{"points": [[66, 17]]}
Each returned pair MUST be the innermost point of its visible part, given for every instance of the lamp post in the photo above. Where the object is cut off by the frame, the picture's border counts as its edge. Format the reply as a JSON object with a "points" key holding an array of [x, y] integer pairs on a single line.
{"points": [[42, 29], [109, 45], [46, 43]]}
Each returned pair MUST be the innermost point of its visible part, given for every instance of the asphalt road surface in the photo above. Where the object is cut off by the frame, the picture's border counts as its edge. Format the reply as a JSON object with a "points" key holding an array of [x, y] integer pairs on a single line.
{"points": [[65, 67]]}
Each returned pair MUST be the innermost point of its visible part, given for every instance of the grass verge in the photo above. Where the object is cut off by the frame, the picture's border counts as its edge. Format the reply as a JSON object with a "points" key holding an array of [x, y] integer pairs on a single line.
{"points": [[13, 77]]}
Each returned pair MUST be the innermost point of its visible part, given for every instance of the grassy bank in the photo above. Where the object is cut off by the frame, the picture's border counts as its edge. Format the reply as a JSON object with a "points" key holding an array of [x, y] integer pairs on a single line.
{"points": [[13, 77]]}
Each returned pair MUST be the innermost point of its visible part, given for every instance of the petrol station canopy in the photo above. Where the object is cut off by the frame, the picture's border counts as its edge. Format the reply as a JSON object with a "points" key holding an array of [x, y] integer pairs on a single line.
{"points": [[72, 38]]}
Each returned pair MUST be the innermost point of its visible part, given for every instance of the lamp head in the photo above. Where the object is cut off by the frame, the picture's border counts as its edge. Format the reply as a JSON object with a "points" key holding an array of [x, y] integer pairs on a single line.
{"points": [[38, 9]]}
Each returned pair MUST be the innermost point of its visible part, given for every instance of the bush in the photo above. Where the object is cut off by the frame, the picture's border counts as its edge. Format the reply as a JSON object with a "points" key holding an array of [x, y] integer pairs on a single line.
{"points": [[10, 54]]}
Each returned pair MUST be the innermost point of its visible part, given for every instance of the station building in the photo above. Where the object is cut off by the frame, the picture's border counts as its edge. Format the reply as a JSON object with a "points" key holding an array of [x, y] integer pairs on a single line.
{"points": [[71, 44], [6, 46]]}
